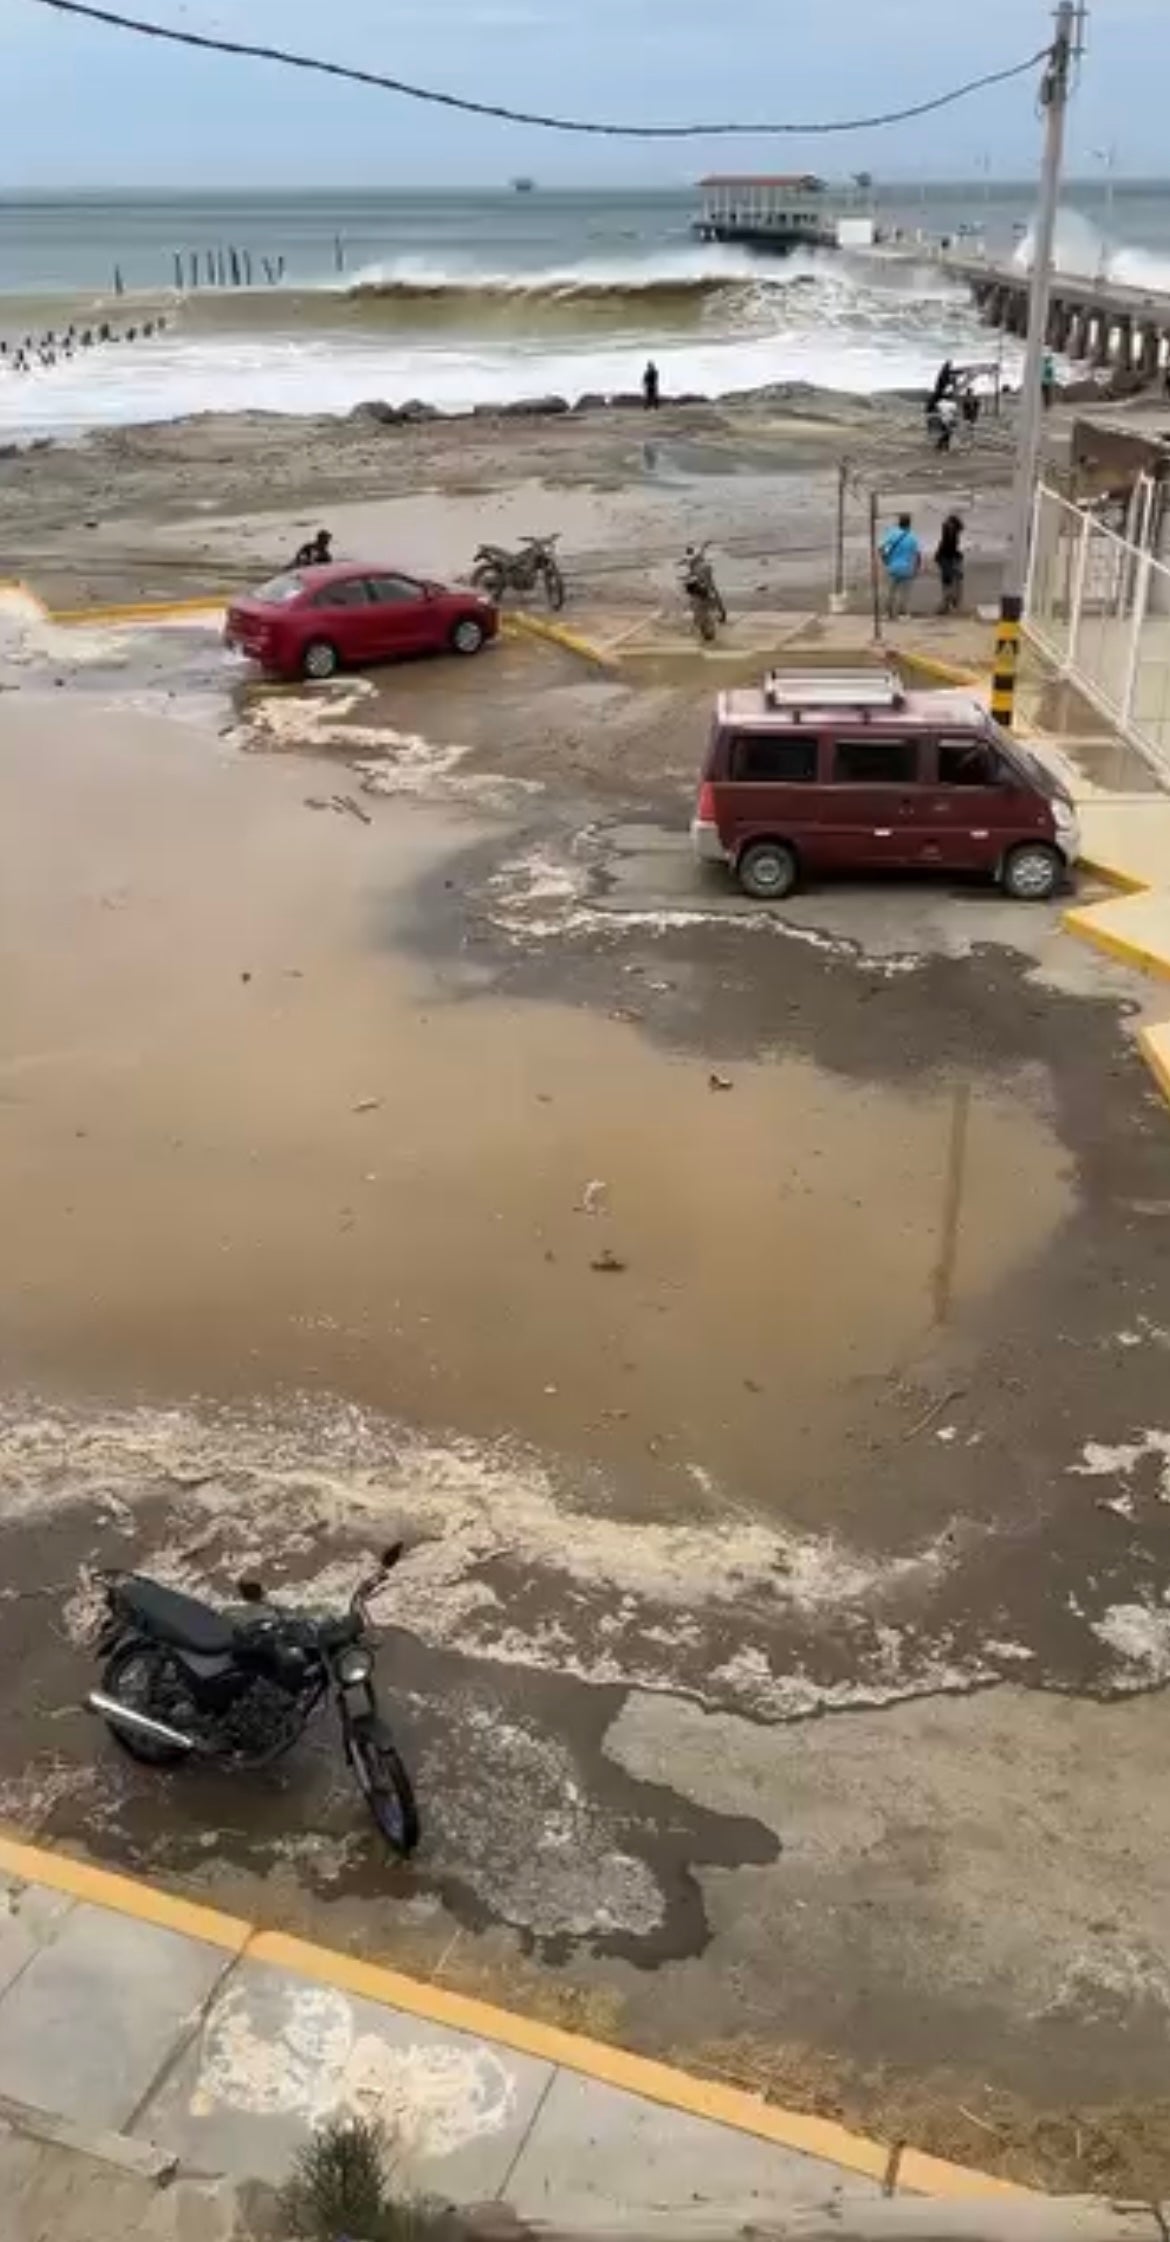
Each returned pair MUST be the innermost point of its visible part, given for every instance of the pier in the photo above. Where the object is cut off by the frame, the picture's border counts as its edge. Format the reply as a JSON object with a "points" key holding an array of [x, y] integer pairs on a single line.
{"points": [[1102, 321]]}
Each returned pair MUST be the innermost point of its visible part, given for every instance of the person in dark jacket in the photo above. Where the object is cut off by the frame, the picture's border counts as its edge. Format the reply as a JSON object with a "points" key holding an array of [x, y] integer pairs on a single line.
{"points": [[317, 553], [650, 387], [949, 561]]}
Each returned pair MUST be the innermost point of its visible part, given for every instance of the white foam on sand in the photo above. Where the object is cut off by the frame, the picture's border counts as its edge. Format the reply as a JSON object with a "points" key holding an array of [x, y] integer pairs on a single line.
{"points": [[30, 639]]}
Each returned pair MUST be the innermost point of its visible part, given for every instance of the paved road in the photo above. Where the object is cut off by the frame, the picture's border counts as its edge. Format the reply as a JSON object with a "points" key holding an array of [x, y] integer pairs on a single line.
{"points": [[820, 1448]]}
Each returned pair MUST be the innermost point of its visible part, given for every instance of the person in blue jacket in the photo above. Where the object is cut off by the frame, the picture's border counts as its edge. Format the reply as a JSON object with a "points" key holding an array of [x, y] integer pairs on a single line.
{"points": [[901, 557]]}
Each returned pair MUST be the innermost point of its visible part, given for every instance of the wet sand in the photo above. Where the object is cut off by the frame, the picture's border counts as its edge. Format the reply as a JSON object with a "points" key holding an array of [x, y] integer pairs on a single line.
{"points": [[189, 506]]}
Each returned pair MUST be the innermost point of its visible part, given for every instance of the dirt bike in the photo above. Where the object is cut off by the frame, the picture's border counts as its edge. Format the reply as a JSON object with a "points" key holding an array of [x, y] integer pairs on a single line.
{"points": [[183, 1680], [702, 592], [495, 570]]}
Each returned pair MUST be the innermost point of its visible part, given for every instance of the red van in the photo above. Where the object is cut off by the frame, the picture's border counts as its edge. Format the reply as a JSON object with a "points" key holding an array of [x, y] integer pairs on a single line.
{"points": [[847, 770]]}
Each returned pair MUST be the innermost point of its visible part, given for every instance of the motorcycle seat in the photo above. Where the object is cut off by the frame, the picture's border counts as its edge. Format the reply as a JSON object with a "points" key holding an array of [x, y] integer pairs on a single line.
{"points": [[174, 1618]]}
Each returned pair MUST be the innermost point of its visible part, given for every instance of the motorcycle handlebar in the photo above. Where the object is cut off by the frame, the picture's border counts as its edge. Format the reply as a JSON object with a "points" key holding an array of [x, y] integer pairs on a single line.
{"points": [[369, 1587]]}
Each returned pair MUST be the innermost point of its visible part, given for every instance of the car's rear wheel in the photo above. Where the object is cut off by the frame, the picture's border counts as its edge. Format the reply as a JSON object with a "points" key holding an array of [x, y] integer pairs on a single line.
{"points": [[320, 659], [467, 636], [768, 870], [1032, 872]]}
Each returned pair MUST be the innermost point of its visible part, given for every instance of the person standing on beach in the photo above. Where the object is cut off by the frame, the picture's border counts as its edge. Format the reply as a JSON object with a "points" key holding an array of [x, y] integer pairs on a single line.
{"points": [[901, 557], [650, 387], [949, 560]]}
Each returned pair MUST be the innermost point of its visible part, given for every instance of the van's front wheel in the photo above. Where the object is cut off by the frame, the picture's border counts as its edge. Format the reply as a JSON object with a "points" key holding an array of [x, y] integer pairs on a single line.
{"points": [[768, 870], [1032, 872]]}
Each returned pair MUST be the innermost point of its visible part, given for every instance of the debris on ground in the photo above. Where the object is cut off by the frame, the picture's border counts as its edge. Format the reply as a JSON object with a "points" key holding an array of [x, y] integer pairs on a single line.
{"points": [[593, 1198], [607, 1263], [720, 1082]]}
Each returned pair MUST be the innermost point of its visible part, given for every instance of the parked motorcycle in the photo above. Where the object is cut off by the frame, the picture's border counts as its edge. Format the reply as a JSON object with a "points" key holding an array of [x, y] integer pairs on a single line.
{"points": [[701, 591], [182, 1680], [495, 570]]}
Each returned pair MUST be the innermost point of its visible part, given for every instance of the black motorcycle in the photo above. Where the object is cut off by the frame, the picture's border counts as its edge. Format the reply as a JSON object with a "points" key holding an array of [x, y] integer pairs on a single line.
{"points": [[183, 1680], [495, 570]]}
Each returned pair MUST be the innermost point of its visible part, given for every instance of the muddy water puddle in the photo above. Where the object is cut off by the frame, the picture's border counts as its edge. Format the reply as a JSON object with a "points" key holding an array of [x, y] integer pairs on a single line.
{"points": [[251, 1143]]}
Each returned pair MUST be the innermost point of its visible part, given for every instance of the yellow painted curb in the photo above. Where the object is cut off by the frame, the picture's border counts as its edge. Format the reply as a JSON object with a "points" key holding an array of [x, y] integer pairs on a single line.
{"points": [[657, 2082], [124, 1894], [141, 611], [537, 626], [132, 612], [1081, 923], [1126, 883], [948, 673]]}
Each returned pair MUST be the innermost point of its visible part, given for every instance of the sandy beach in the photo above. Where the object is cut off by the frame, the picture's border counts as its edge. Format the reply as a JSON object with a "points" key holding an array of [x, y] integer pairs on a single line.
{"points": [[179, 508]]}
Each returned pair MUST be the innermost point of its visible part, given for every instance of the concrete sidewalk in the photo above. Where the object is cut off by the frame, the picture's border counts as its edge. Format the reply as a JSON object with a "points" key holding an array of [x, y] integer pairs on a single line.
{"points": [[155, 2040]]}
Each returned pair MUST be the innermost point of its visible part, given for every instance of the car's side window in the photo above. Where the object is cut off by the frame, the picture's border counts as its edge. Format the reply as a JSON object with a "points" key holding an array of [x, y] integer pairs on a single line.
{"points": [[964, 760], [876, 759], [385, 589], [774, 757], [350, 592]]}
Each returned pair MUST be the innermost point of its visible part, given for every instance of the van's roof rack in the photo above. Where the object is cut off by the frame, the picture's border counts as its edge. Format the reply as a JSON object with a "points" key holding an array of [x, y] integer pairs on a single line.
{"points": [[833, 688]]}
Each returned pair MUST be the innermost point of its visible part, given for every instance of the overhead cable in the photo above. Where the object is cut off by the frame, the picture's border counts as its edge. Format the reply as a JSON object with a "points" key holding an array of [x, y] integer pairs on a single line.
{"points": [[207, 42]]}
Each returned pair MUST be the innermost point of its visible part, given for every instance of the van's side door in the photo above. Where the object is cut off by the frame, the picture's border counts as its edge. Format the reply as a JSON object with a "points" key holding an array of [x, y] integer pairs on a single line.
{"points": [[971, 804], [872, 804]]}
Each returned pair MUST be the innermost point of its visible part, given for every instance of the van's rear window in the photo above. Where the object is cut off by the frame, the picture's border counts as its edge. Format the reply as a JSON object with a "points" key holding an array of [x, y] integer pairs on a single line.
{"points": [[772, 756]]}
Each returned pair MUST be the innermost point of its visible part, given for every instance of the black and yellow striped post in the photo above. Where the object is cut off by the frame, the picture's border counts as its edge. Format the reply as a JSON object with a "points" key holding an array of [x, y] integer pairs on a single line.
{"points": [[1007, 656]]}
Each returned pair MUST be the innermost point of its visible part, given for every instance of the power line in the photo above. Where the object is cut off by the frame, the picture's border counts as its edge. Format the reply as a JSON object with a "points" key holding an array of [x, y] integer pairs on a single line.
{"points": [[292, 61]]}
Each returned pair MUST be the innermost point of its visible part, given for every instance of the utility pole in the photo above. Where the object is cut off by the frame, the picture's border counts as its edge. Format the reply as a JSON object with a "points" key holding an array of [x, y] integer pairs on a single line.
{"points": [[1054, 92]]}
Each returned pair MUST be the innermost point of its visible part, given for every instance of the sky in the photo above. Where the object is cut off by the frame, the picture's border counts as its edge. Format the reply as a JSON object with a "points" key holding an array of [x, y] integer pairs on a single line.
{"points": [[83, 106]]}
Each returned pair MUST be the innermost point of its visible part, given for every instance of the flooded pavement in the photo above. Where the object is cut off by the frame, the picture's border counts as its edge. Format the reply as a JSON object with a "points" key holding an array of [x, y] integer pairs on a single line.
{"points": [[757, 1322]]}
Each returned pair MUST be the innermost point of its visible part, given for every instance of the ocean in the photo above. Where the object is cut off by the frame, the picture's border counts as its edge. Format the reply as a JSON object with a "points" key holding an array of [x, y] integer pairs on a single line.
{"points": [[465, 298]]}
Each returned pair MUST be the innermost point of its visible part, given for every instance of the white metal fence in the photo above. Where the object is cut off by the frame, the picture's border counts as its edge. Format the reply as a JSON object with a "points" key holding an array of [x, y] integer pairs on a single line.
{"points": [[1098, 605]]}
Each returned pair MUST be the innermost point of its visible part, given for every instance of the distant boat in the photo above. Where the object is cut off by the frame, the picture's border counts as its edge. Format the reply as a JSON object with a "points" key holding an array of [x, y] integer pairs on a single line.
{"points": [[523, 186]]}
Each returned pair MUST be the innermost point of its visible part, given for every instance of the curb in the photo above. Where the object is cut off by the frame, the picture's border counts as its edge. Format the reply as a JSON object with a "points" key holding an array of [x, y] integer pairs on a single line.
{"points": [[731, 2106], [137, 611], [140, 611], [947, 673], [1079, 921], [521, 623]]}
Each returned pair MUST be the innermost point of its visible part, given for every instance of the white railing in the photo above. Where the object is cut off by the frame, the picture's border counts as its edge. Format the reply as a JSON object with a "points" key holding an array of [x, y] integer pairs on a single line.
{"points": [[1098, 605]]}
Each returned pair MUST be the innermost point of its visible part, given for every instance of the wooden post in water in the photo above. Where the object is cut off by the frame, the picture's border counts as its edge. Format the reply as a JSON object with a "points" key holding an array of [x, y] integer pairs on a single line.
{"points": [[235, 257], [338, 253], [247, 268], [119, 286], [193, 263], [178, 268]]}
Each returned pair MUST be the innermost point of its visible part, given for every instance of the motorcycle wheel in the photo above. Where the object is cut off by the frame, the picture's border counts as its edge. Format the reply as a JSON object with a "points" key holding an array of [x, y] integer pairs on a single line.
{"points": [[489, 580], [554, 586], [384, 1784], [138, 1673]]}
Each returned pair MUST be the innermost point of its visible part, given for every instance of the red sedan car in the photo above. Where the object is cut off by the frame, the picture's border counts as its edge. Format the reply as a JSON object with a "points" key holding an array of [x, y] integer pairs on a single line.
{"points": [[313, 621]]}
